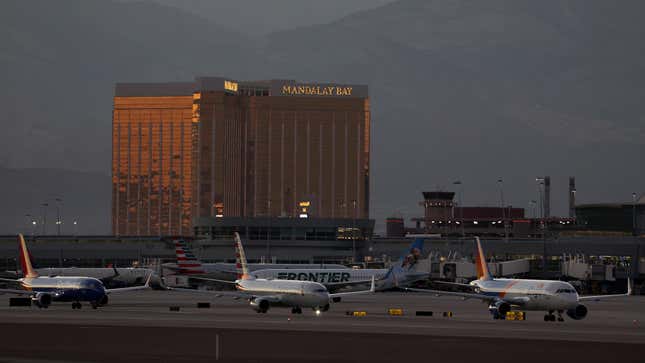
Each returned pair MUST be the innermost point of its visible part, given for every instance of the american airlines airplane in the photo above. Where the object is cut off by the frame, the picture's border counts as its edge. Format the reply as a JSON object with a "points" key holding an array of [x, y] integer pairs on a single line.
{"points": [[263, 293], [45, 290], [189, 265], [542, 295]]}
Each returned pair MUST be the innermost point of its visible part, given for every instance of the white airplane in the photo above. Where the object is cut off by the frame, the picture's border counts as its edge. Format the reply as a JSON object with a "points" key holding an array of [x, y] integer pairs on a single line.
{"points": [[401, 274], [502, 295], [45, 290], [262, 293]]}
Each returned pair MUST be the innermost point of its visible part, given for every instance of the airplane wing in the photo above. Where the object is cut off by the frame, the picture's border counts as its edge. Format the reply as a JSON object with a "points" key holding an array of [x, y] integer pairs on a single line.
{"points": [[335, 286], [217, 293], [211, 280], [371, 290], [453, 284], [602, 297], [466, 295], [133, 288], [15, 292], [9, 280]]}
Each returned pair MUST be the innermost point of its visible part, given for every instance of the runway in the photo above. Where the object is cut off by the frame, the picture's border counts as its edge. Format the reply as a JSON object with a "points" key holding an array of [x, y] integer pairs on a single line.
{"points": [[139, 326]]}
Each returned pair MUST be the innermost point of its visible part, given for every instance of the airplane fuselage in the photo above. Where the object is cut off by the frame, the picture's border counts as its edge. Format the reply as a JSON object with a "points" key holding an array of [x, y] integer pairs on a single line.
{"points": [[67, 288], [534, 294], [292, 293]]}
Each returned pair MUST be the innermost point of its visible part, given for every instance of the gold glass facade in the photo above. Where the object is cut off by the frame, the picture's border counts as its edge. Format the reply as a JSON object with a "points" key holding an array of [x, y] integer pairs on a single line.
{"points": [[152, 165], [229, 149]]}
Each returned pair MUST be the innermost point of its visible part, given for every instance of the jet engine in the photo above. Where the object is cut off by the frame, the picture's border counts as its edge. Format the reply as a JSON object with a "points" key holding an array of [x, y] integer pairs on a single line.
{"points": [[499, 309], [259, 305], [577, 313], [42, 299]]}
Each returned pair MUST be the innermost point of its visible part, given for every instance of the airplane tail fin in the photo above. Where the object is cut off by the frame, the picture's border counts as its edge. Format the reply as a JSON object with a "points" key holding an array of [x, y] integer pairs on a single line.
{"points": [[397, 271], [412, 255], [240, 260], [483, 273], [186, 261], [25, 259]]}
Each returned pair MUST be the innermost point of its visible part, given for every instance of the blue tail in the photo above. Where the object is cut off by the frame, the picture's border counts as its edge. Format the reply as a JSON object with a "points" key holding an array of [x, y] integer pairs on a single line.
{"points": [[406, 262]]}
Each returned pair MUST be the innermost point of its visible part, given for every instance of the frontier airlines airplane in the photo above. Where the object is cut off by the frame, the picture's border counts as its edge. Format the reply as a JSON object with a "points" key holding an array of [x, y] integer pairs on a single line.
{"points": [[263, 293], [542, 295]]}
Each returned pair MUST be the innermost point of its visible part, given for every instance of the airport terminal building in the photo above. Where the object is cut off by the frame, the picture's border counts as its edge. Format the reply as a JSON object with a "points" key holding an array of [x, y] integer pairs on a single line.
{"points": [[217, 155]]}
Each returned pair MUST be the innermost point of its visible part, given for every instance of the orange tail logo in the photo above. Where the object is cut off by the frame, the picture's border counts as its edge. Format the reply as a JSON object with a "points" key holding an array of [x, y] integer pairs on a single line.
{"points": [[25, 260], [480, 262]]}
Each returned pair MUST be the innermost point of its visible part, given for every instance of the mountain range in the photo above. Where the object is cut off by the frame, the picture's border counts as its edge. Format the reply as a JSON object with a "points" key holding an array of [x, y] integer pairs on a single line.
{"points": [[459, 90]]}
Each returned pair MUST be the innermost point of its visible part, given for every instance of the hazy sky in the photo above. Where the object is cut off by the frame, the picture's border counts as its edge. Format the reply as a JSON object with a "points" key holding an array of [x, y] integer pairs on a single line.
{"points": [[459, 90]]}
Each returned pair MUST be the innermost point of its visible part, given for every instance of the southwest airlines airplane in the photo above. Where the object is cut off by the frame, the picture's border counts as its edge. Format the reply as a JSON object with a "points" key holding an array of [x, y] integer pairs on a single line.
{"points": [[263, 293], [401, 274], [542, 295], [44, 290]]}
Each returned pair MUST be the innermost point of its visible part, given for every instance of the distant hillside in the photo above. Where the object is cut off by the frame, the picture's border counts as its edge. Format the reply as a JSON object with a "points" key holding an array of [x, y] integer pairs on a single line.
{"points": [[60, 60], [461, 89], [480, 90], [261, 16], [86, 197]]}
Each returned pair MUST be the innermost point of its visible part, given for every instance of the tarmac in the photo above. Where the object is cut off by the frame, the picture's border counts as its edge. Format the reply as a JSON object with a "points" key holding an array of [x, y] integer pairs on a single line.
{"points": [[140, 326]]}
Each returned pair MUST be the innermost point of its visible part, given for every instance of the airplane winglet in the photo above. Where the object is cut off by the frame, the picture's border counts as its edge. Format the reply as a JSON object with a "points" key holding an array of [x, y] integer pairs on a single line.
{"points": [[147, 284], [373, 286], [629, 286]]}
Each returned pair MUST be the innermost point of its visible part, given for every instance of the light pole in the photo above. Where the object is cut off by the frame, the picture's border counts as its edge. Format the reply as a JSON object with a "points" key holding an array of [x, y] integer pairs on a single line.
{"points": [[633, 214], [500, 181], [44, 219], [461, 206], [540, 183], [31, 223], [354, 233], [58, 220], [268, 251]]}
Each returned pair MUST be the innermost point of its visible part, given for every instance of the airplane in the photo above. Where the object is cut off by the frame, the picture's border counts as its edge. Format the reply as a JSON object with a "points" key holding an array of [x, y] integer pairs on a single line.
{"points": [[401, 274], [189, 265], [111, 277], [44, 290], [263, 293], [502, 295]]}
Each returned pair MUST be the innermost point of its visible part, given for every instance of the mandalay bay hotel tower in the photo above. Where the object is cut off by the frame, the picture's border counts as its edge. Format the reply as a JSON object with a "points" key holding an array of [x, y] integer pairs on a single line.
{"points": [[216, 155]]}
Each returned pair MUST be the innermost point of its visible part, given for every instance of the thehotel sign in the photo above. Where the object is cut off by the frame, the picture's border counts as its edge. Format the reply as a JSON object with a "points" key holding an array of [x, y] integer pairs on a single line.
{"points": [[286, 88], [230, 86], [307, 90]]}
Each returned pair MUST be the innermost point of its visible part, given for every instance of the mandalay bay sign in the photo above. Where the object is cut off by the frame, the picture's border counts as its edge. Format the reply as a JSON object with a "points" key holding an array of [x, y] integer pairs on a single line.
{"points": [[316, 90]]}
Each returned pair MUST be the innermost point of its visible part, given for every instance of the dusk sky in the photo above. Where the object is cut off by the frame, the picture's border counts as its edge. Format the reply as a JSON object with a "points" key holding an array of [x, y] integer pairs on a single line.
{"points": [[459, 90]]}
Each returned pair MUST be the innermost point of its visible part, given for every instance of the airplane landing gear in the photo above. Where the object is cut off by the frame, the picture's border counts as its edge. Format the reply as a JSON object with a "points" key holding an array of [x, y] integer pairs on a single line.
{"points": [[560, 318], [76, 305], [296, 310], [94, 304], [551, 317]]}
